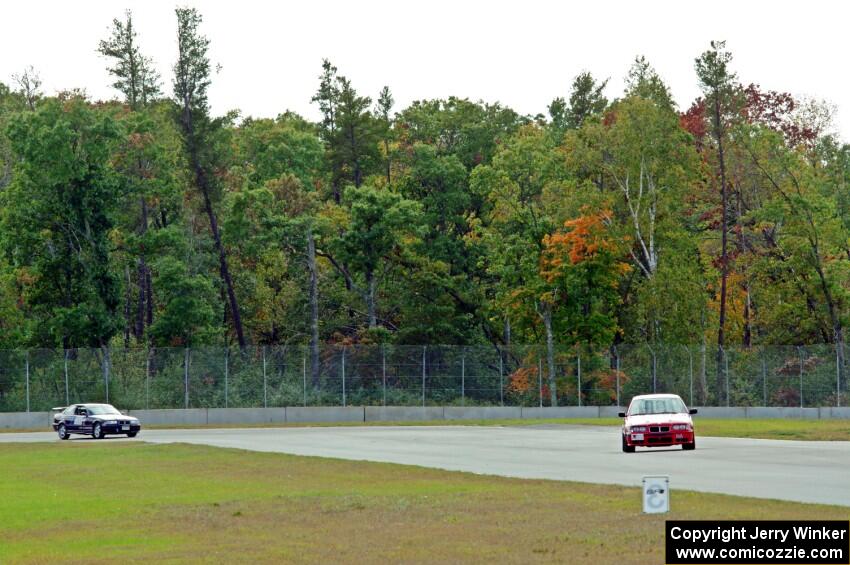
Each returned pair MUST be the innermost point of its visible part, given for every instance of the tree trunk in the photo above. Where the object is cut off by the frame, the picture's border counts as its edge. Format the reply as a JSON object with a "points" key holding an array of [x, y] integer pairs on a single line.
{"points": [[127, 309], [724, 258], [370, 299], [149, 302], [387, 151], [550, 353], [202, 184], [314, 307], [142, 276]]}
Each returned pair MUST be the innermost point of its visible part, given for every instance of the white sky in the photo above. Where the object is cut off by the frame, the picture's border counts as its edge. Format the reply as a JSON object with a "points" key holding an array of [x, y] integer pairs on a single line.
{"points": [[522, 54]]}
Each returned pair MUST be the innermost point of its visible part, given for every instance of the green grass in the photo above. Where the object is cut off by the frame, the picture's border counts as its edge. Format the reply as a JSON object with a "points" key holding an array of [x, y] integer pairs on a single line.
{"points": [[810, 430], [98, 502]]}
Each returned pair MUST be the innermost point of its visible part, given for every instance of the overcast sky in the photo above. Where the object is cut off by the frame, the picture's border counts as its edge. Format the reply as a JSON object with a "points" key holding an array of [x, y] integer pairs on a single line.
{"points": [[522, 54]]}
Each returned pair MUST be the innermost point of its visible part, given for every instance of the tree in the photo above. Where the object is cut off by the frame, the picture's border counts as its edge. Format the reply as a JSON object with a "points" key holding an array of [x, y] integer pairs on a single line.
{"points": [[57, 215], [135, 76], [191, 81], [349, 130], [385, 121], [29, 85], [643, 81], [717, 83], [137, 80], [521, 188], [379, 221]]}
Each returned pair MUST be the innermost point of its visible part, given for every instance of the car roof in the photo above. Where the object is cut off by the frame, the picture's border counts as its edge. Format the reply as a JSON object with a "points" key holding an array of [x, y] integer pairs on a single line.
{"points": [[651, 396]]}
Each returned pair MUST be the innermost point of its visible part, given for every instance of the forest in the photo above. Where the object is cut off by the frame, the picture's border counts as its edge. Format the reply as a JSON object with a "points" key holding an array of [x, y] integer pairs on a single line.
{"points": [[145, 221]]}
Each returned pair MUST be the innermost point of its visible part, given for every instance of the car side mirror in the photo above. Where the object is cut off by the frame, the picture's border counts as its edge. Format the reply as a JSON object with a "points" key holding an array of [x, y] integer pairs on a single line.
{"points": [[621, 414], [692, 411]]}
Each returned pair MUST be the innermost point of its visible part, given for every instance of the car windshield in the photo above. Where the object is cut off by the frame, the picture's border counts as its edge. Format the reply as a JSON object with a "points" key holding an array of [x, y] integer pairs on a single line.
{"points": [[102, 410], [668, 405]]}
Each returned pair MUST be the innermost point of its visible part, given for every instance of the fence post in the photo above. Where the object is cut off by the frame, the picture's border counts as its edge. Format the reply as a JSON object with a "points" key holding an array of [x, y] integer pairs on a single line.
{"points": [[578, 375], [540, 379], [424, 347], [763, 378], [617, 357], [186, 378], [106, 371], [652, 352], [265, 382], [304, 374], [67, 391], [28, 379], [837, 374], [226, 376], [384, 372], [800, 355], [343, 377], [147, 378], [501, 378], [690, 374], [463, 376], [726, 374]]}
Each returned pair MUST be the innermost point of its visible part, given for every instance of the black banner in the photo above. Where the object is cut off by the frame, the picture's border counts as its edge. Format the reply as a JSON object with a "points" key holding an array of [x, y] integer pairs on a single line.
{"points": [[757, 541]]}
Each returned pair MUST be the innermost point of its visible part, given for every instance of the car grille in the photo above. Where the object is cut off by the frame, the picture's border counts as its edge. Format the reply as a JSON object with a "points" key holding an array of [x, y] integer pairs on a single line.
{"points": [[659, 428]]}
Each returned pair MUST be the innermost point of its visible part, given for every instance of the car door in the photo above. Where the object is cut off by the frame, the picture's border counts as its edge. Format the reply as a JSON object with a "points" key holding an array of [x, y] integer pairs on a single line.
{"points": [[80, 417], [68, 417], [88, 421]]}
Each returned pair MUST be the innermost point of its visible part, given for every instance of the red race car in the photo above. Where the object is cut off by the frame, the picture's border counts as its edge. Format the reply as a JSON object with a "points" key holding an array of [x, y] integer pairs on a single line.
{"points": [[658, 420]]}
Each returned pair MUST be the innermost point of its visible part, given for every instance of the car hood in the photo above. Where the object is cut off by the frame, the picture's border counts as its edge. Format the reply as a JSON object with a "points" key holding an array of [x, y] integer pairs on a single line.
{"points": [[652, 419]]}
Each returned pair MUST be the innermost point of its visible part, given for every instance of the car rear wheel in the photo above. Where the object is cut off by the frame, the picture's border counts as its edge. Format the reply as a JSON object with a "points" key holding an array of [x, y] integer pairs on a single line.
{"points": [[132, 434], [689, 446], [626, 447], [97, 432], [63, 433]]}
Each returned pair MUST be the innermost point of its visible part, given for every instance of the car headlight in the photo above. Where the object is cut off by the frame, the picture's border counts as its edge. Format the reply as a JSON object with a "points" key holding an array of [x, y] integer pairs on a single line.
{"points": [[111, 422], [639, 429], [681, 426]]}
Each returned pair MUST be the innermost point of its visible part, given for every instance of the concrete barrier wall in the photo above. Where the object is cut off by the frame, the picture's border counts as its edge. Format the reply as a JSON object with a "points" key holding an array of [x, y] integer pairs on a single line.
{"points": [[835, 412], [246, 415], [298, 414], [402, 413], [178, 417], [325, 414], [561, 412], [25, 420], [771, 412], [611, 411], [721, 412], [482, 413]]}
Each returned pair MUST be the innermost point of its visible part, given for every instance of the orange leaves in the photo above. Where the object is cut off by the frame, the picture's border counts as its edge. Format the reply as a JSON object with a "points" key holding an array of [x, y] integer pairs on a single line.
{"points": [[522, 380], [585, 238]]}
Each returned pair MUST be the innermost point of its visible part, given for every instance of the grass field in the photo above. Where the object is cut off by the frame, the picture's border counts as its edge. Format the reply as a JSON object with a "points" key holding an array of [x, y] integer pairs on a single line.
{"points": [[101, 502]]}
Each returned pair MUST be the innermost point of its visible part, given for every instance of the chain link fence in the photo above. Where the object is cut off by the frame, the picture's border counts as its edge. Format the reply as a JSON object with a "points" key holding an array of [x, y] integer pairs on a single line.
{"points": [[215, 377]]}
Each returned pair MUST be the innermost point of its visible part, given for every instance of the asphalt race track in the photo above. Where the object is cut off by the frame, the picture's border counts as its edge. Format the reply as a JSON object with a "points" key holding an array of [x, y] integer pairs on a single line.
{"points": [[805, 471]]}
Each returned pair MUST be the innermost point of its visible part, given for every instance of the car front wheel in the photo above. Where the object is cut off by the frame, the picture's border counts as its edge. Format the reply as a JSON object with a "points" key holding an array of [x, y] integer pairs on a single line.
{"points": [[97, 432], [626, 447], [63, 433], [689, 446], [132, 434]]}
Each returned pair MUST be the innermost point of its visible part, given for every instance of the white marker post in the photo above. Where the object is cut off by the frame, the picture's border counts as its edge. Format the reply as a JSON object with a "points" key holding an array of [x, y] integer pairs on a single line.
{"points": [[656, 494]]}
